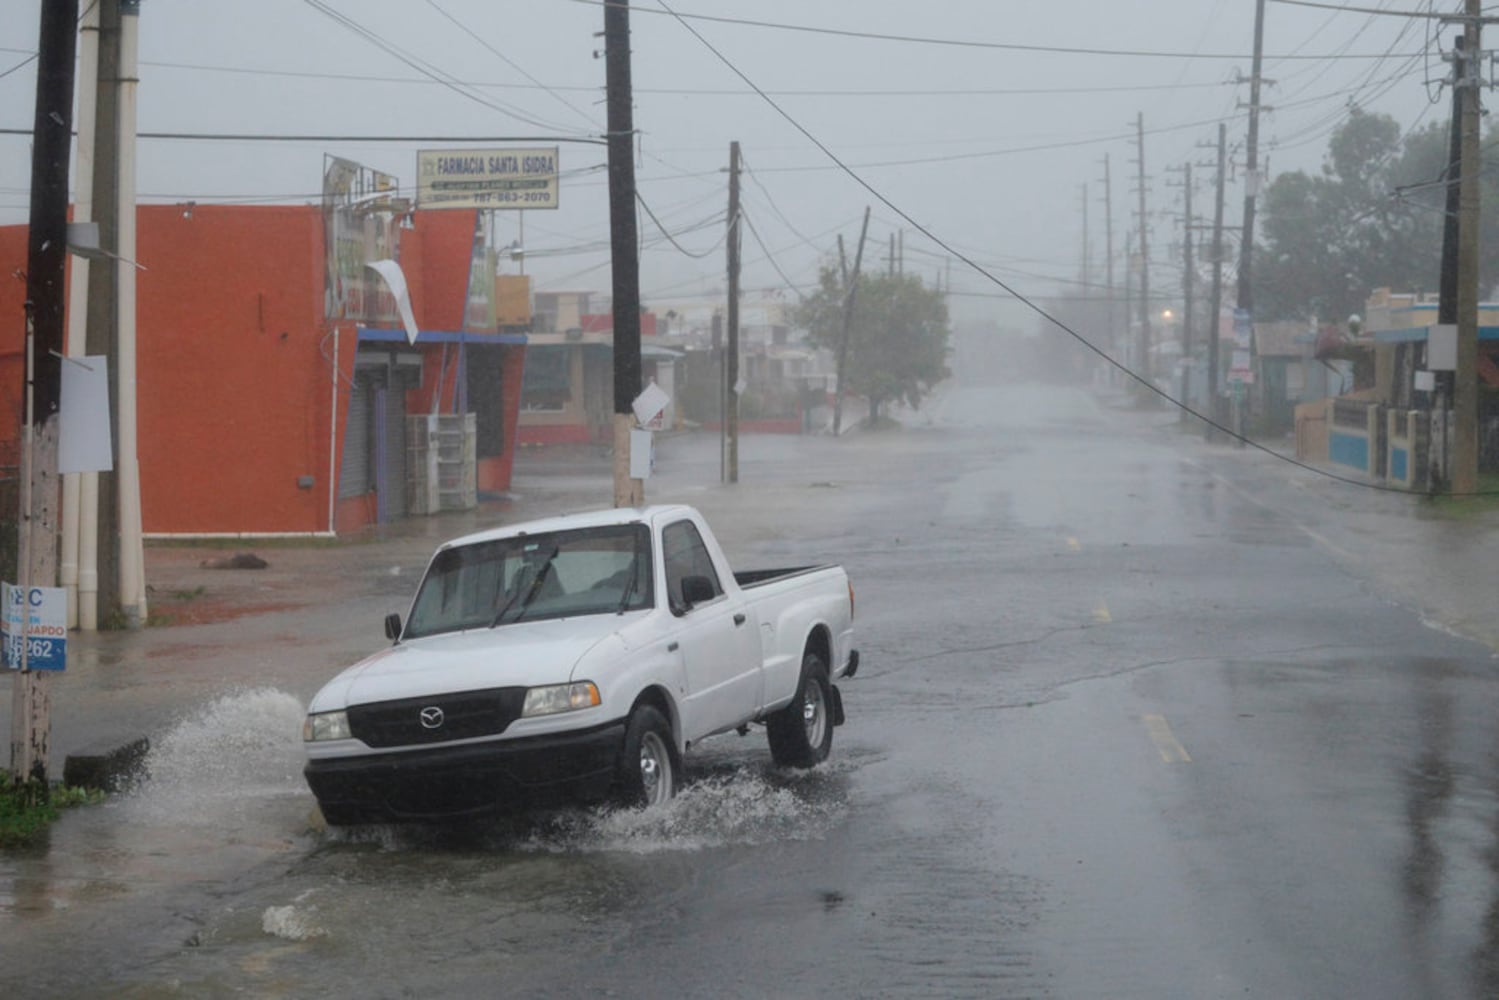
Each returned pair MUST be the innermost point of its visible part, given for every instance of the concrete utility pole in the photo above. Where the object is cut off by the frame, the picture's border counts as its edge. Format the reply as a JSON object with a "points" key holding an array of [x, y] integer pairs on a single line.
{"points": [[1143, 394], [46, 300], [731, 366], [78, 568], [624, 240], [1465, 387], [852, 291], [1216, 309]]}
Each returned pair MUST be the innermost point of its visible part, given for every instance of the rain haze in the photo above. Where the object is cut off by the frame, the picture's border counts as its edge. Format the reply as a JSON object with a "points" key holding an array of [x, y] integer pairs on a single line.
{"points": [[981, 122], [976, 669]]}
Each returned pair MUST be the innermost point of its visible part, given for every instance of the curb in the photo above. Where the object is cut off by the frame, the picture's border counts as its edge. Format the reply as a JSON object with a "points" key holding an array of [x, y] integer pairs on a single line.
{"points": [[105, 767]]}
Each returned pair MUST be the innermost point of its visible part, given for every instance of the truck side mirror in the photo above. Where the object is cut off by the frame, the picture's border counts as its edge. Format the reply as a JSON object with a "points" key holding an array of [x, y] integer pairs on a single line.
{"points": [[392, 627], [696, 590]]}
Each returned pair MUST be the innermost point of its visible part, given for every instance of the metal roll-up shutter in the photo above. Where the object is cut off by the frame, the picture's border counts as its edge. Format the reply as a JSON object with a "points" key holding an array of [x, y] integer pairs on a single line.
{"points": [[394, 458], [354, 468]]}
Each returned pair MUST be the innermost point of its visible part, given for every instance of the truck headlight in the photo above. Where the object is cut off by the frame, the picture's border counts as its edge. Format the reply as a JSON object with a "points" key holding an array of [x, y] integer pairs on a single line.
{"points": [[326, 726], [561, 698]]}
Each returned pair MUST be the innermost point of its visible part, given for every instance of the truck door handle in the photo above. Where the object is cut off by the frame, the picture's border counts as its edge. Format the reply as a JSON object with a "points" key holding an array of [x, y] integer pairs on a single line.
{"points": [[739, 618], [672, 647]]}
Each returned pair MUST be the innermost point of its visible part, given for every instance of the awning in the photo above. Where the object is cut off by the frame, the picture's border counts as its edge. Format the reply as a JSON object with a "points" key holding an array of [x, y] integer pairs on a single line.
{"points": [[381, 334]]}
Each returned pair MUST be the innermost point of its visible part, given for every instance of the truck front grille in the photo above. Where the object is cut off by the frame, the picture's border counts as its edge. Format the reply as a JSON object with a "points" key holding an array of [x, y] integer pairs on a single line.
{"points": [[438, 718]]}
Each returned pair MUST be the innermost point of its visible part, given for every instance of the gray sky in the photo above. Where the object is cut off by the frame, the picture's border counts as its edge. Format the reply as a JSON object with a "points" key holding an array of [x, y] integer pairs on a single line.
{"points": [[987, 147]]}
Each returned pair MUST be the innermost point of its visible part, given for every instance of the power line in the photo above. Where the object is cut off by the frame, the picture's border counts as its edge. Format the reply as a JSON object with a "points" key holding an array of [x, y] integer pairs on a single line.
{"points": [[672, 239], [768, 255], [421, 65], [1368, 10], [1023, 299], [511, 63], [961, 42]]}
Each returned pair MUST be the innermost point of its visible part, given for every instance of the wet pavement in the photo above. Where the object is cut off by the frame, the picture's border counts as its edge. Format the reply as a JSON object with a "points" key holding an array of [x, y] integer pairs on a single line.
{"points": [[1138, 717]]}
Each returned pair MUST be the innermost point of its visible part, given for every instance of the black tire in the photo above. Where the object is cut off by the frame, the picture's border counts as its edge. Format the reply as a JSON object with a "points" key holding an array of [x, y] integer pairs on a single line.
{"points": [[648, 765], [801, 734]]}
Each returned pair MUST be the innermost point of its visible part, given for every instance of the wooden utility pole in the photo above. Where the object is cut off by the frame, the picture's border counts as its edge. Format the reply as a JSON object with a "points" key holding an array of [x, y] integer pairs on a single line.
{"points": [[1108, 248], [1142, 364], [102, 494], [1251, 190], [1188, 280], [624, 242], [731, 365], [46, 300], [1216, 308], [1082, 271], [848, 319], [1465, 378]]}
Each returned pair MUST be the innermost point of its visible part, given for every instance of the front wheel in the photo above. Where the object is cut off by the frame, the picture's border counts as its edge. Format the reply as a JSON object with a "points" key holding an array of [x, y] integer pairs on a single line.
{"points": [[648, 766], [801, 734]]}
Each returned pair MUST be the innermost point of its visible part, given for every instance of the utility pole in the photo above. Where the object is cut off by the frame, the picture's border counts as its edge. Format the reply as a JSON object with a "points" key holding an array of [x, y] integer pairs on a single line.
{"points": [[624, 242], [1188, 280], [99, 509], [731, 367], [1144, 350], [46, 300], [848, 318], [1465, 378], [1082, 272], [1447, 294], [1216, 309], [1108, 247], [1251, 190], [1129, 285]]}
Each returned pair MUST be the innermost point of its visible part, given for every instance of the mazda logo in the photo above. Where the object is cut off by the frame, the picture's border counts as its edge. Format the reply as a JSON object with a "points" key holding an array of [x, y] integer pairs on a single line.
{"points": [[431, 717]]}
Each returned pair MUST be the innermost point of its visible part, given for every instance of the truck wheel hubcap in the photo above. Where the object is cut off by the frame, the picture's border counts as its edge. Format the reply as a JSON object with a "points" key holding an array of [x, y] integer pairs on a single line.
{"points": [[655, 769], [812, 714]]}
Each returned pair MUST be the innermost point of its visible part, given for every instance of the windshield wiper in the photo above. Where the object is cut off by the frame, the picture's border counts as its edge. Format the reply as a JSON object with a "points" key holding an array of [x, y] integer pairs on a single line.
{"points": [[633, 584], [530, 593]]}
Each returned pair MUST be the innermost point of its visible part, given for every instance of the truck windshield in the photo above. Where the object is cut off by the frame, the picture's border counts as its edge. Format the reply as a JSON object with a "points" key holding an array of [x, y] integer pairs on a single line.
{"points": [[561, 574]]}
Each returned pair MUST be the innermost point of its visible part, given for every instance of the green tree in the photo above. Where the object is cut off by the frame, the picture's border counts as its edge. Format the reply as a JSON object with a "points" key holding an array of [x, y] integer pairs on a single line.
{"points": [[1372, 218], [898, 337]]}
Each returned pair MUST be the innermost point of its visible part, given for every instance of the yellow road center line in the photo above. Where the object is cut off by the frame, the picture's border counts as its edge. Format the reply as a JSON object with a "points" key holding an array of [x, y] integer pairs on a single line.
{"points": [[1074, 545], [1101, 614], [1171, 751]]}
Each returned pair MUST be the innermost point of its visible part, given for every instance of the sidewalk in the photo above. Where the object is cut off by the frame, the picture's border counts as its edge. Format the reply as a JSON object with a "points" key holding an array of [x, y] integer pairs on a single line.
{"points": [[1409, 549]]}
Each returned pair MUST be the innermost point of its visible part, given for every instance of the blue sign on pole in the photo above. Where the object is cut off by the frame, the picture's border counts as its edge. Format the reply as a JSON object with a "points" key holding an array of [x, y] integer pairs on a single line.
{"points": [[44, 612]]}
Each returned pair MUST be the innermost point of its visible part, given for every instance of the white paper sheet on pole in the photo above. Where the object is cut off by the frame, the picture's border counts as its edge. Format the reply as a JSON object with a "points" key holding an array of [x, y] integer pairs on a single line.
{"points": [[83, 437], [649, 405], [396, 279], [640, 453]]}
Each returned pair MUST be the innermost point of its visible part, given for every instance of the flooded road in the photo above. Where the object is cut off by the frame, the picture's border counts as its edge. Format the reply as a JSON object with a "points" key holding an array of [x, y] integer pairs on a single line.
{"points": [[1137, 717]]}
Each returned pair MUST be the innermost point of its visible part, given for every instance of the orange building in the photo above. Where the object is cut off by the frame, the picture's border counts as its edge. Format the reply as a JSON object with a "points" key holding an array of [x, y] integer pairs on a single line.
{"points": [[258, 414]]}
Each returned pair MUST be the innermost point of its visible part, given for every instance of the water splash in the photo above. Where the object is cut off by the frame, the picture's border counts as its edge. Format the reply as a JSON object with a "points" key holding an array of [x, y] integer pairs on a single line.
{"points": [[738, 808], [217, 762], [728, 807], [291, 923]]}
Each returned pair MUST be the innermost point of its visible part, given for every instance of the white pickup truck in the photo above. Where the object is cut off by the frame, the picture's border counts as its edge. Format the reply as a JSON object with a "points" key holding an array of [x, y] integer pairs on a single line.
{"points": [[578, 657]]}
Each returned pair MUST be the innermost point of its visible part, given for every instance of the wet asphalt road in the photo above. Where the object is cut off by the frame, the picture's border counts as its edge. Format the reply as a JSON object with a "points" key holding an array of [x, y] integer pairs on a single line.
{"points": [[1137, 717]]}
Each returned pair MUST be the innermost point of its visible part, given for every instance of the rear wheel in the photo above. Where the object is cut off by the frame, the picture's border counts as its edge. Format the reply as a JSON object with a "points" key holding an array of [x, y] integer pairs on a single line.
{"points": [[648, 766], [801, 734]]}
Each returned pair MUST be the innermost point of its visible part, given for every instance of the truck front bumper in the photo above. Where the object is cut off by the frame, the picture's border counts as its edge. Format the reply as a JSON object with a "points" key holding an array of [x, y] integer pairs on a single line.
{"points": [[472, 778]]}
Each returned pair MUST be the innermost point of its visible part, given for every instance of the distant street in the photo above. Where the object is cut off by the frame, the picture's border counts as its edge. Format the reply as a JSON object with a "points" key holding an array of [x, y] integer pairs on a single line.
{"points": [[1138, 717]]}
